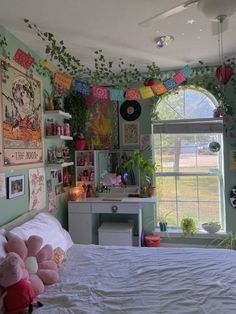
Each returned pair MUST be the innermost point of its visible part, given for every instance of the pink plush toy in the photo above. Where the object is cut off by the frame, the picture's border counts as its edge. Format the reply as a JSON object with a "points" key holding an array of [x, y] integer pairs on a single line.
{"points": [[37, 261], [20, 295]]}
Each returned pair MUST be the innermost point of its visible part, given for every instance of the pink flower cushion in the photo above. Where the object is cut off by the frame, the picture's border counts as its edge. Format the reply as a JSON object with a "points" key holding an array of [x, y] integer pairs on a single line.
{"points": [[37, 261]]}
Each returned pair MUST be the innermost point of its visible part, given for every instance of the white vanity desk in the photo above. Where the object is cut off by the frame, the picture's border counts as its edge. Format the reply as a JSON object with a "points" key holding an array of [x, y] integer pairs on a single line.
{"points": [[84, 215]]}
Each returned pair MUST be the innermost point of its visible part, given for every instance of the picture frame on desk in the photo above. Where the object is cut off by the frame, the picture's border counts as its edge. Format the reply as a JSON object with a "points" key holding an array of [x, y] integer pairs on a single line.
{"points": [[15, 186]]}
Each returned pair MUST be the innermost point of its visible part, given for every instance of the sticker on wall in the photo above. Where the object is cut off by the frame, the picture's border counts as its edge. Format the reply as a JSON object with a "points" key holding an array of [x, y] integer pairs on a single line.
{"points": [[145, 142], [130, 110], [232, 196]]}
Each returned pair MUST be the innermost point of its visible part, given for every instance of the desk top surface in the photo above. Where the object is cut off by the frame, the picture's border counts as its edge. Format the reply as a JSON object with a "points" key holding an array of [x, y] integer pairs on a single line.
{"points": [[114, 199]]}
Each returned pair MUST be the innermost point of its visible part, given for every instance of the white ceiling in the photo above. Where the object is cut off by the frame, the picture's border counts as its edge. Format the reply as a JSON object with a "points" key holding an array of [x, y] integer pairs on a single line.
{"points": [[112, 25]]}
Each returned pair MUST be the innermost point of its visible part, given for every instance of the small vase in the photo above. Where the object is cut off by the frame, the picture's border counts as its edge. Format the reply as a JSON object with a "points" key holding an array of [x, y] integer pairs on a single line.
{"points": [[163, 226]]}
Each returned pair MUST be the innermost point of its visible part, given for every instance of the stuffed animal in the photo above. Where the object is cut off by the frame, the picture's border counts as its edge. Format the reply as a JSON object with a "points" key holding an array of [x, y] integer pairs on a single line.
{"points": [[20, 295], [36, 259]]}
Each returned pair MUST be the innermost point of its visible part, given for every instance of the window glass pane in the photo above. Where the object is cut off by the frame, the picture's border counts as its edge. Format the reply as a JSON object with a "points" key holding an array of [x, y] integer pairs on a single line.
{"points": [[186, 104], [188, 209], [187, 188], [166, 188], [209, 211], [167, 209], [186, 152], [208, 188]]}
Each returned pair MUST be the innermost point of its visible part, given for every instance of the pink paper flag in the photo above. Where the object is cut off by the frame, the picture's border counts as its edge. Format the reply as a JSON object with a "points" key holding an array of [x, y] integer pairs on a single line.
{"points": [[132, 94], [100, 92], [23, 58], [179, 78]]}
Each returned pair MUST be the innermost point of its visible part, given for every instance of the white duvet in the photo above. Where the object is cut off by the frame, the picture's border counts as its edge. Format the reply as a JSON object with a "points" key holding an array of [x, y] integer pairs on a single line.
{"points": [[98, 279]]}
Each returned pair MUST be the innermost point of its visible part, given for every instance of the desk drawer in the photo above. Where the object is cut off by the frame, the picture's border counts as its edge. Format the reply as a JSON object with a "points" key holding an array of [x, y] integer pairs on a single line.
{"points": [[116, 208]]}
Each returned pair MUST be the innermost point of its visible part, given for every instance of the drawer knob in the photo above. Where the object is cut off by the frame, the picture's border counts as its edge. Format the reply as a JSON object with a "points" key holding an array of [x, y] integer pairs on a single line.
{"points": [[114, 208]]}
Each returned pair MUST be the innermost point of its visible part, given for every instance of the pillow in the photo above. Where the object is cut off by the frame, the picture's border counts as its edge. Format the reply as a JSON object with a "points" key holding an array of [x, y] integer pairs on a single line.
{"points": [[59, 256], [36, 261], [48, 228], [3, 242]]}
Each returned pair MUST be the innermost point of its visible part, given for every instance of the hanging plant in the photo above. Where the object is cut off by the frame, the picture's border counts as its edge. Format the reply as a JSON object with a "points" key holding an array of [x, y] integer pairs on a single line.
{"points": [[103, 73], [74, 103]]}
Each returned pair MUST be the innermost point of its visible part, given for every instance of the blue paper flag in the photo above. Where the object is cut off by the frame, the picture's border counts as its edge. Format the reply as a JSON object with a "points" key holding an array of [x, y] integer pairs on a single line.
{"points": [[116, 94], [169, 84], [82, 87]]}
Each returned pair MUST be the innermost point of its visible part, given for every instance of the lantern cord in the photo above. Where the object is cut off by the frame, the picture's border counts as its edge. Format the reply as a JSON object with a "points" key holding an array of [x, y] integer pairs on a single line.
{"points": [[221, 19]]}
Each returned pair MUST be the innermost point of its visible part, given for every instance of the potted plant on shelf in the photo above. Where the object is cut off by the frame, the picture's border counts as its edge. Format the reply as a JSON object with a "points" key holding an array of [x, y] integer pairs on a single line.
{"points": [[188, 226], [146, 170]]}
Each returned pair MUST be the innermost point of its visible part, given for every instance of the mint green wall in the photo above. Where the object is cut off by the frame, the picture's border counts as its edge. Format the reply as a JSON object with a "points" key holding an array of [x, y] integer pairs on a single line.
{"points": [[11, 208]]}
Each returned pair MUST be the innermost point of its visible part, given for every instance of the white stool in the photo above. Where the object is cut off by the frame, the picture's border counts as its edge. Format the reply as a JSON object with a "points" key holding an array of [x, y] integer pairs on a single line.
{"points": [[115, 233]]}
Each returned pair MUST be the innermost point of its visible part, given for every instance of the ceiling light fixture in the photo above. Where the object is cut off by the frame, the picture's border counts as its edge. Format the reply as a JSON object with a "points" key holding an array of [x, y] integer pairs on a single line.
{"points": [[163, 41]]}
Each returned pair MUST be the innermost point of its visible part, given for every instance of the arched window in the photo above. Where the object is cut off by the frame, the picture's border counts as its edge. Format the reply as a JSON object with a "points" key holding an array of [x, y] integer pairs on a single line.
{"points": [[189, 175]]}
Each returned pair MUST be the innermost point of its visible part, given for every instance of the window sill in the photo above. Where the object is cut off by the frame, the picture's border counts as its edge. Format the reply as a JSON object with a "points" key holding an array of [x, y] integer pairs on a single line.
{"points": [[176, 233]]}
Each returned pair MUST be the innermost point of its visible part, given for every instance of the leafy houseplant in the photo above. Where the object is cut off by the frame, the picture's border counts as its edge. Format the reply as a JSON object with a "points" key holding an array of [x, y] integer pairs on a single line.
{"points": [[74, 103], [188, 226], [229, 242], [146, 169], [162, 218]]}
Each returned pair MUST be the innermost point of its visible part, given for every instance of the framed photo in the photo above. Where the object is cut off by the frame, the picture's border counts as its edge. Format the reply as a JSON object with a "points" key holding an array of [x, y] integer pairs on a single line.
{"points": [[130, 133], [15, 186], [21, 117]]}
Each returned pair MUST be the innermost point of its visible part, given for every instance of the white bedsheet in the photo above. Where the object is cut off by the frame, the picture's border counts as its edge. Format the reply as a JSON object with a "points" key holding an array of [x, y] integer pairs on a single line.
{"points": [[97, 279]]}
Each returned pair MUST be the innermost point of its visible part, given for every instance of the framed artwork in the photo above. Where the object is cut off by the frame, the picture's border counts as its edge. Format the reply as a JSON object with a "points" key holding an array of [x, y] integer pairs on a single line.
{"points": [[102, 126], [21, 117], [130, 133], [15, 186], [37, 189]]}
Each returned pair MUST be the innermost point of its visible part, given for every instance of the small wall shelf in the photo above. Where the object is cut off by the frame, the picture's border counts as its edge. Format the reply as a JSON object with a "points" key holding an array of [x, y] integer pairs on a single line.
{"points": [[62, 137], [58, 113], [61, 165]]}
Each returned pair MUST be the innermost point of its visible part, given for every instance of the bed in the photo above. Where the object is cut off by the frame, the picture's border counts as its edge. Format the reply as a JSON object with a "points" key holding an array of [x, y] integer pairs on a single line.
{"points": [[109, 279]]}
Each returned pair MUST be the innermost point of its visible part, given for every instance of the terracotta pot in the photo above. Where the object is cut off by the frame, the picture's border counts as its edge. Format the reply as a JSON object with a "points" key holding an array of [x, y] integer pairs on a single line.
{"points": [[151, 191]]}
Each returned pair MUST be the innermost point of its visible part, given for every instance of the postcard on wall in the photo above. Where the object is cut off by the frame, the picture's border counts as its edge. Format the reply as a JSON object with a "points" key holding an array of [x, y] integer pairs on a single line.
{"points": [[145, 142], [130, 133], [232, 160], [2, 185], [37, 187], [21, 134]]}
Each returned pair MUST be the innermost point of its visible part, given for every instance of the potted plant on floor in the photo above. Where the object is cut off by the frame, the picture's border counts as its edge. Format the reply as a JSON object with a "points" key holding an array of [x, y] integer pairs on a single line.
{"points": [[146, 170]]}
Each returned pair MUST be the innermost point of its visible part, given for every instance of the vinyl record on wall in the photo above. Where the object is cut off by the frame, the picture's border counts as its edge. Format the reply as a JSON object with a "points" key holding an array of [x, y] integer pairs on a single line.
{"points": [[232, 196], [130, 110]]}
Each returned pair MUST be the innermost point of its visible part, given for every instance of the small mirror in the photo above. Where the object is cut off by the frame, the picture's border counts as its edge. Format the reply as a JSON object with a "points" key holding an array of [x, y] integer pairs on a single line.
{"points": [[111, 172]]}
